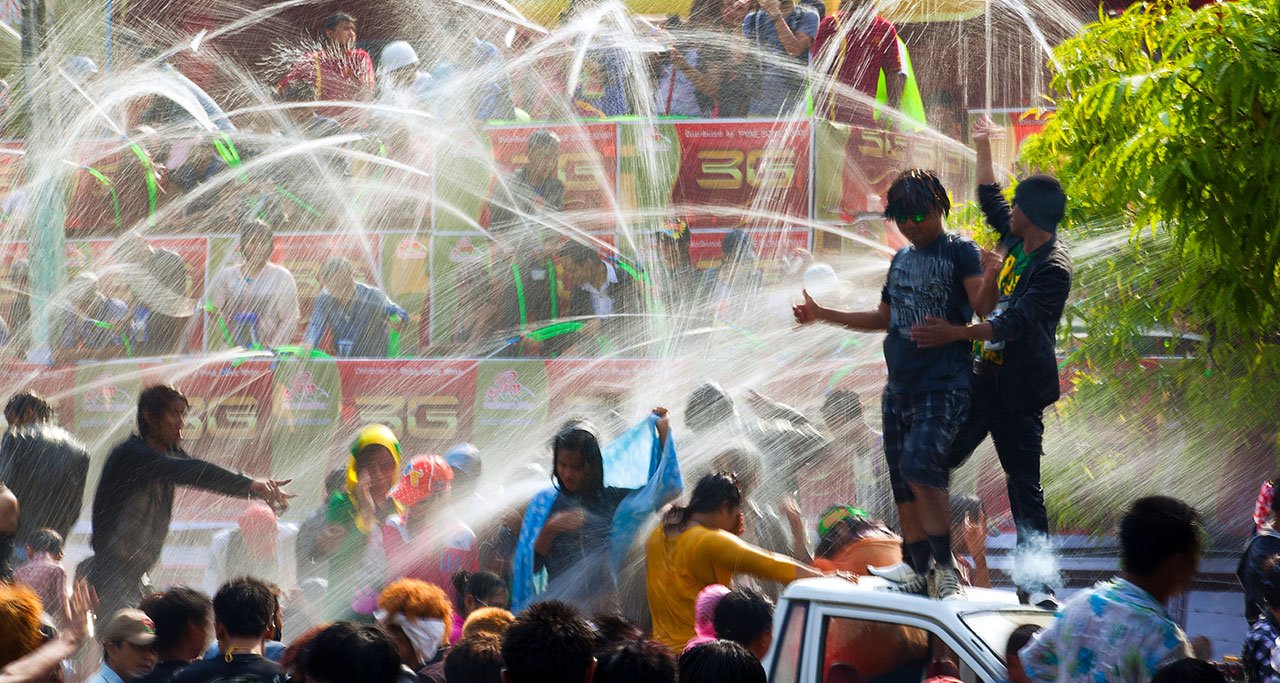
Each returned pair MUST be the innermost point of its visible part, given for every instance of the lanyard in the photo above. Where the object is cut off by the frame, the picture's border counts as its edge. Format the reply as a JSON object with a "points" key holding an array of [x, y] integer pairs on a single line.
{"points": [[153, 188], [115, 198]]}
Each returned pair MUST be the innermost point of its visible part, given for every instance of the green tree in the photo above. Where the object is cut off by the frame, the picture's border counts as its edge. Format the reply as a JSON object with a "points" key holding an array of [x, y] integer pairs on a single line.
{"points": [[1167, 139]]}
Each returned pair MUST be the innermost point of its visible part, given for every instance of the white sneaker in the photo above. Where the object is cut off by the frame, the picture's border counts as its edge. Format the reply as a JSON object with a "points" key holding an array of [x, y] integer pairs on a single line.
{"points": [[946, 583], [1045, 601], [903, 577]]}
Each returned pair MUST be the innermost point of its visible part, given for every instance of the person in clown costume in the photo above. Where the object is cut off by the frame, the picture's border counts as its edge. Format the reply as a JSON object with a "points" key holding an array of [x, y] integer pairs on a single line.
{"points": [[358, 567]]}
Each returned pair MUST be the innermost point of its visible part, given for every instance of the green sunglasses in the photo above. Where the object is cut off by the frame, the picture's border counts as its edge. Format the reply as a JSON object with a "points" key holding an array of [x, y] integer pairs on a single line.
{"points": [[914, 217]]}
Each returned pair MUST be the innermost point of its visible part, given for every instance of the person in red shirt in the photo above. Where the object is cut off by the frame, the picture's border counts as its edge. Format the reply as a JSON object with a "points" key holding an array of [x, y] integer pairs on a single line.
{"points": [[339, 72], [852, 51]]}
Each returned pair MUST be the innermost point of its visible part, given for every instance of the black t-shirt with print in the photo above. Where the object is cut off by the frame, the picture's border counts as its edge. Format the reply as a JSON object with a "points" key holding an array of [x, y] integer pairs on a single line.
{"points": [[243, 668]]}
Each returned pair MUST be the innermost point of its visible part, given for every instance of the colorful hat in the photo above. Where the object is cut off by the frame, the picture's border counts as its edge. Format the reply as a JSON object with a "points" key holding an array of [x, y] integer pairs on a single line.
{"points": [[836, 514], [427, 474]]}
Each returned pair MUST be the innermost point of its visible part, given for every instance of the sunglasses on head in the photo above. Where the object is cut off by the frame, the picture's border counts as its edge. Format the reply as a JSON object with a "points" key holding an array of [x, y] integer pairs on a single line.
{"points": [[915, 217]]}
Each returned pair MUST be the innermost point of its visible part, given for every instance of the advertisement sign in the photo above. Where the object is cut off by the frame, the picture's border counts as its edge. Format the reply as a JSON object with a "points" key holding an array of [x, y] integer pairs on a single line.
{"points": [[587, 165], [306, 403], [510, 395], [428, 404]]}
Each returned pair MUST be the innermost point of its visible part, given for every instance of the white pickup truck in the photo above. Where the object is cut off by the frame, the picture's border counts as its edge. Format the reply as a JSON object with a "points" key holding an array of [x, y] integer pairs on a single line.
{"points": [[832, 631]]}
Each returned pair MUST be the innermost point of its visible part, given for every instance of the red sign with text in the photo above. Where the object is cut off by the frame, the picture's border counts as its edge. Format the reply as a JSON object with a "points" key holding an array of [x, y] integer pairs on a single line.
{"points": [[588, 167]]}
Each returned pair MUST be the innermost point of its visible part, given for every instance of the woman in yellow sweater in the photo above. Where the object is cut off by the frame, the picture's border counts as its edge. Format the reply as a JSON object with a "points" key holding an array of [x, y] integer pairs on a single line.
{"points": [[697, 546]]}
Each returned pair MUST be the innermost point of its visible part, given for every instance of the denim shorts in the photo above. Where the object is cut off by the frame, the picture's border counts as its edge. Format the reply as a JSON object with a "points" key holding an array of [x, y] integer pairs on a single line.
{"points": [[918, 431]]}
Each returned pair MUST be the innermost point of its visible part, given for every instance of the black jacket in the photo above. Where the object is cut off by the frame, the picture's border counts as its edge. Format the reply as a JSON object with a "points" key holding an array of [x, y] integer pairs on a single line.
{"points": [[134, 501], [45, 467], [1029, 325]]}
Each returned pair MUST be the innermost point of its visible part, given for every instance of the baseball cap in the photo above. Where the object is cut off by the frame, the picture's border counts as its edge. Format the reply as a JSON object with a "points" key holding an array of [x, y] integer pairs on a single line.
{"points": [[836, 514], [427, 474], [464, 457], [131, 626]]}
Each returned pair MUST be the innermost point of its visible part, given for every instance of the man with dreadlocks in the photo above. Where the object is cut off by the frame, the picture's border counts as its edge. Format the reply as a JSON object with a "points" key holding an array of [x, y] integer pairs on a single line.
{"points": [[927, 396]]}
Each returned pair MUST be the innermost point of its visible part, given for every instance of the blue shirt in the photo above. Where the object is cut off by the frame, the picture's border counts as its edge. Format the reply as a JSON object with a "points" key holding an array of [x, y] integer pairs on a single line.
{"points": [[274, 650], [105, 675], [359, 326], [490, 86], [925, 283], [77, 331], [783, 78]]}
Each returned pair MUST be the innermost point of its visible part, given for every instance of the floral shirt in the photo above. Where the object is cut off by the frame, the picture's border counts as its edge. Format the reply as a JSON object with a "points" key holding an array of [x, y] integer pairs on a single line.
{"points": [[1110, 633], [1256, 654]]}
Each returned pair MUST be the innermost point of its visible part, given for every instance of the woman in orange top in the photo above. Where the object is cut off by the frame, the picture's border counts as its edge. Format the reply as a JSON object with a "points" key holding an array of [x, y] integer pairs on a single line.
{"points": [[697, 546]]}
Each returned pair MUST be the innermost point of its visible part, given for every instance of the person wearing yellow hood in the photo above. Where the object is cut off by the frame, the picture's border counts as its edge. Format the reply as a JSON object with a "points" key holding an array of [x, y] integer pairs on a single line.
{"points": [[360, 509]]}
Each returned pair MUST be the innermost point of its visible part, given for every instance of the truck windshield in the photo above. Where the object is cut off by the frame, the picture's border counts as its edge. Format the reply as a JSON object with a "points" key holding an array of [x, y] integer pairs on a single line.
{"points": [[994, 627]]}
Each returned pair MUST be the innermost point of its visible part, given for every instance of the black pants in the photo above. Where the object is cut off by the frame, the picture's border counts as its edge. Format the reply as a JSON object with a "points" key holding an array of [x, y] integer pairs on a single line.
{"points": [[1018, 435], [118, 582]]}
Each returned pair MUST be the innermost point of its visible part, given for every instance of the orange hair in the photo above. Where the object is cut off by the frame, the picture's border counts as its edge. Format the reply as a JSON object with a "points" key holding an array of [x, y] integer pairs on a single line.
{"points": [[19, 623], [418, 600], [491, 620]]}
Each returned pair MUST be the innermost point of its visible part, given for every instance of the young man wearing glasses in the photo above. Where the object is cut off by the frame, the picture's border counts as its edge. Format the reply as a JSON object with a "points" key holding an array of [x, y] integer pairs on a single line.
{"points": [[936, 277]]}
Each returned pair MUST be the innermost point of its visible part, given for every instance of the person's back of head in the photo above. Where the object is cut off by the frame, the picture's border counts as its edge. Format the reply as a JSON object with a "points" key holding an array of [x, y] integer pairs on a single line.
{"points": [[548, 643], [709, 406], [1160, 534], [720, 661], [347, 652], [475, 659], [244, 608], [20, 633], [635, 661], [841, 407], [613, 628], [1042, 200], [1019, 639], [745, 616], [45, 541], [1189, 671], [491, 620], [26, 407], [1271, 582], [181, 618]]}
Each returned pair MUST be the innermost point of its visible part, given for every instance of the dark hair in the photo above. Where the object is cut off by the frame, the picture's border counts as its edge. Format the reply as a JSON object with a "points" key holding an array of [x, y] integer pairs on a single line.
{"points": [[708, 406], [720, 661], [347, 652], [334, 480], [154, 400], [1270, 583], [334, 20], [476, 584], [475, 659], [961, 505], [712, 492], [172, 611], [542, 138], [577, 252], [916, 190], [847, 530], [168, 268], [1042, 200], [1154, 529], [23, 401], [1019, 639], [580, 436], [743, 615], [703, 13], [745, 463], [841, 404], [635, 661], [245, 607], [548, 643], [611, 627], [298, 91], [45, 541], [256, 228], [1189, 671]]}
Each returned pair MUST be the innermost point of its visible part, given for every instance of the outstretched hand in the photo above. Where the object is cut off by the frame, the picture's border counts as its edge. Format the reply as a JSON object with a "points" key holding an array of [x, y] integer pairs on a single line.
{"points": [[806, 312], [985, 130], [934, 332], [84, 599], [272, 491]]}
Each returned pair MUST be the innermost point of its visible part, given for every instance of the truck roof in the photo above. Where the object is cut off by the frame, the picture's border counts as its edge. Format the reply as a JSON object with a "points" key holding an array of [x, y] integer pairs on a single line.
{"points": [[873, 592]]}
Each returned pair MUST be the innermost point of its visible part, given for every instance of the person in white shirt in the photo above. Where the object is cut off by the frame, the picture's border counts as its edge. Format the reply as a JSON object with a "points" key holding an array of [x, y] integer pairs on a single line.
{"points": [[257, 300], [260, 546]]}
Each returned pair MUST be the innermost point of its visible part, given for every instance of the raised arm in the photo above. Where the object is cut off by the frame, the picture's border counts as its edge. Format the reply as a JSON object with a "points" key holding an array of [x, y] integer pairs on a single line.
{"points": [[726, 551], [870, 321]]}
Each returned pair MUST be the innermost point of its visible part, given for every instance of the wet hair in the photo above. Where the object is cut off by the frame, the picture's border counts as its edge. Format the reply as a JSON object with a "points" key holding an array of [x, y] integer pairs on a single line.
{"points": [[347, 652], [245, 607], [745, 464], [743, 615], [336, 19], [549, 643], [417, 599], [635, 661], [841, 404], [1019, 639], [720, 661], [712, 492], [916, 190], [256, 228], [1189, 670], [580, 436], [334, 480], [961, 505], [45, 541], [154, 400], [334, 265], [847, 530], [611, 627], [736, 244], [1155, 528], [23, 401], [1270, 584], [577, 252], [475, 659], [541, 139], [173, 611], [476, 584], [295, 654], [709, 405], [1042, 200], [492, 620], [298, 91], [20, 632]]}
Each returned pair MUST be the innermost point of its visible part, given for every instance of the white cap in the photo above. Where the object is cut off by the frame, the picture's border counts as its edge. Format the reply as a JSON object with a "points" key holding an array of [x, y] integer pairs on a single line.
{"points": [[396, 55]]}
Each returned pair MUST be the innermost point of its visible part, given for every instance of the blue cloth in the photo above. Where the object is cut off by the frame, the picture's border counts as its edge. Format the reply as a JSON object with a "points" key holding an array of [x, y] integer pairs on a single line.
{"points": [[924, 283], [360, 328], [273, 651], [78, 331], [783, 78], [632, 460]]}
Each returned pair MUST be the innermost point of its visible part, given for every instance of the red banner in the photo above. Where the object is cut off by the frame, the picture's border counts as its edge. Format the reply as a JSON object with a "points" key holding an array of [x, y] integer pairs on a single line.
{"points": [[588, 167], [742, 174], [428, 404]]}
